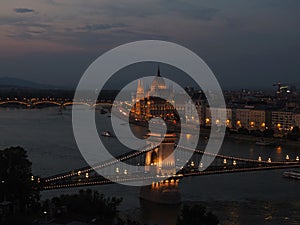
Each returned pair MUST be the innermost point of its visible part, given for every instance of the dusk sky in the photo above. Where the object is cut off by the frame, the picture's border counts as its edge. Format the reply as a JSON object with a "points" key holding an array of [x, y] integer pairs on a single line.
{"points": [[246, 43]]}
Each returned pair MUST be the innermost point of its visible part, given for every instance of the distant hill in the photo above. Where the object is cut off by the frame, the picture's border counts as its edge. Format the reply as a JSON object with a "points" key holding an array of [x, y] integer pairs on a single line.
{"points": [[11, 82]]}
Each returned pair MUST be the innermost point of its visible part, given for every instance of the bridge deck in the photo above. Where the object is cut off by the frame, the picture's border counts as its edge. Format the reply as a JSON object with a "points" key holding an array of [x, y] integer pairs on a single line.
{"points": [[78, 177]]}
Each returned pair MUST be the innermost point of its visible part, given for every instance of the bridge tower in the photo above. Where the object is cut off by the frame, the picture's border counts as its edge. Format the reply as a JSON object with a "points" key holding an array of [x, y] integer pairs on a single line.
{"points": [[161, 161]]}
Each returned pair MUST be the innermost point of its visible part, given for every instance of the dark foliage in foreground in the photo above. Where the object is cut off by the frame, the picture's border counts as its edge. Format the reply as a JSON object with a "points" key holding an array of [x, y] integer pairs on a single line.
{"points": [[18, 192], [196, 214], [87, 204]]}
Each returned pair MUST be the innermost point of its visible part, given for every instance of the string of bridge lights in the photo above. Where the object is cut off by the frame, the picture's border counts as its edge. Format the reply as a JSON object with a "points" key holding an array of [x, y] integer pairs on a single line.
{"points": [[231, 170], [106, 164], [90, 183], [241, 159], [136, 153]]}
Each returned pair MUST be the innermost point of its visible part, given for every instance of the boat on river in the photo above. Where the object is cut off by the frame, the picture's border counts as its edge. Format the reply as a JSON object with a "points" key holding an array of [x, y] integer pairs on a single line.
{"points": [[295, 174], [106, 134], [265, 143]]}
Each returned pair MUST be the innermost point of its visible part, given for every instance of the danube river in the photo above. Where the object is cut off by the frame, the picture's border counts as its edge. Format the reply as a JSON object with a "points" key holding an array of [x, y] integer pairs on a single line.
{"points": [[247, 198]]}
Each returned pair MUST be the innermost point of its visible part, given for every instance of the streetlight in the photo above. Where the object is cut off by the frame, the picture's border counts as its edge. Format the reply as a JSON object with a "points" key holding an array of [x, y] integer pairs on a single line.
{"points": [[287, 157], [2, 189], [259, 159], [201, 165], [269, 160], [45, 213]]}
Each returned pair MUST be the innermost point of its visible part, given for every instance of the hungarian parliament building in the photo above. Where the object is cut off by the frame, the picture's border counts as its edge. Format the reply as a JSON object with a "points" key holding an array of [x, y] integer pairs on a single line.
{"points": [[161, 101]]}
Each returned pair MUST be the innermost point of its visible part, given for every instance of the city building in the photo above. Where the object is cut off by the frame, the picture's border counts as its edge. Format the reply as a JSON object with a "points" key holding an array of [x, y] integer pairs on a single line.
{"points": [[191, 112], [282, 120], [251, 119], [156, 102], [218, 120], [297, 120]]}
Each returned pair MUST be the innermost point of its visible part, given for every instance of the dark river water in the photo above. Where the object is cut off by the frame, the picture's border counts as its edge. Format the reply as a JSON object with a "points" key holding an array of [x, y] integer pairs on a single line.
{"points": [[247, 198]]}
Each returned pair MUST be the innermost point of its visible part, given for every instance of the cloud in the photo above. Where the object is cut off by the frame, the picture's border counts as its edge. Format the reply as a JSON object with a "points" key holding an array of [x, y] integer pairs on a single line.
{"points": [[96, 27], [132, 35], [24, 10]]}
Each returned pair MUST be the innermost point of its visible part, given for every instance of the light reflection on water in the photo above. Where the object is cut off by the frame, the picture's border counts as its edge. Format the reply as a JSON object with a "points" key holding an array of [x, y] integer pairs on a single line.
{"points": [[47, 136]]}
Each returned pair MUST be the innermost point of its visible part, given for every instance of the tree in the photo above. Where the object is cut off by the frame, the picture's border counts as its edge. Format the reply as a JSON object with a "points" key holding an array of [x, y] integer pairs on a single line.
{"points": [[243, 130], [15, 177], [88, 204], [196, 214], [294, 134], [296, 130], [268, 133], [256, 133]]}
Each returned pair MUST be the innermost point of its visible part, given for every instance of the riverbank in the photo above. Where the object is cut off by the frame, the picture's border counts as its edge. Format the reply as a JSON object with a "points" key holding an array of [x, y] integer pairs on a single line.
{"points": [[205, 132], [249, 138]]}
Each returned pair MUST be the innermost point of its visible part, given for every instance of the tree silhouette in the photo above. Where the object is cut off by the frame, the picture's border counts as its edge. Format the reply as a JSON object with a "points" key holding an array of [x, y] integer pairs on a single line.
{"points": [[15, 178], [89, 204], [196, 214]]}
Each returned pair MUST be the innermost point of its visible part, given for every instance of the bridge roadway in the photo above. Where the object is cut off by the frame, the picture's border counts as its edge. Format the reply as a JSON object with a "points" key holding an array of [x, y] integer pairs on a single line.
{"points": [[88, 177], [99, 180], [62, 104], [87, 169]]}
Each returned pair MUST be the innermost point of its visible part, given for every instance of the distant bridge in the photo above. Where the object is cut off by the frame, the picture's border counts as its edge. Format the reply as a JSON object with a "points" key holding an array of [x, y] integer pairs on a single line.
{"points": [[87, 176], [44, 103]]}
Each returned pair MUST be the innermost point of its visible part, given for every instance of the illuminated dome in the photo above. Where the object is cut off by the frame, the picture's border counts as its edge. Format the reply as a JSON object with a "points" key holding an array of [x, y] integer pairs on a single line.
{"points": [[158, 82]]}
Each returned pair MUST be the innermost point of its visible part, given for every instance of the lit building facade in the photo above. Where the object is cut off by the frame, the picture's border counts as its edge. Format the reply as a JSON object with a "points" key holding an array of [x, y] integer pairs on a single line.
{"points": [[218, 112], [297, 120], [152, 103], [191, 113], [282, 120], [250, 119]]}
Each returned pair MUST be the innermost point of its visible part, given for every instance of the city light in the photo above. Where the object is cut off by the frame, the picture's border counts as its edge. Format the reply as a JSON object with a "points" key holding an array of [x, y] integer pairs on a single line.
{"points": [[259, 159], [269, 160]]}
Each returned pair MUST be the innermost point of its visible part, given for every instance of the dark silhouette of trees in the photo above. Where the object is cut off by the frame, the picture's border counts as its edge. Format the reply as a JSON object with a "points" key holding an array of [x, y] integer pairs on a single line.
{"points": [[243, 130], [16, 187], [256, 133], [87, 204], [196, 214], [15, 177], [294, 134], [268, 133]]}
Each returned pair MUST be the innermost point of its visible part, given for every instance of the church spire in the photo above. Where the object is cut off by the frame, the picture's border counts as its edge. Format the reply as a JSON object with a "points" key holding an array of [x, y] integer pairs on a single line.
{"points": [[158, 71], [140, 90]]}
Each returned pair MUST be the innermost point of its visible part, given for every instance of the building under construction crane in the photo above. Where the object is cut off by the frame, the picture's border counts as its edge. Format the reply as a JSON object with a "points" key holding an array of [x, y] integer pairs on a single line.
{"points": [[285, 88]]}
